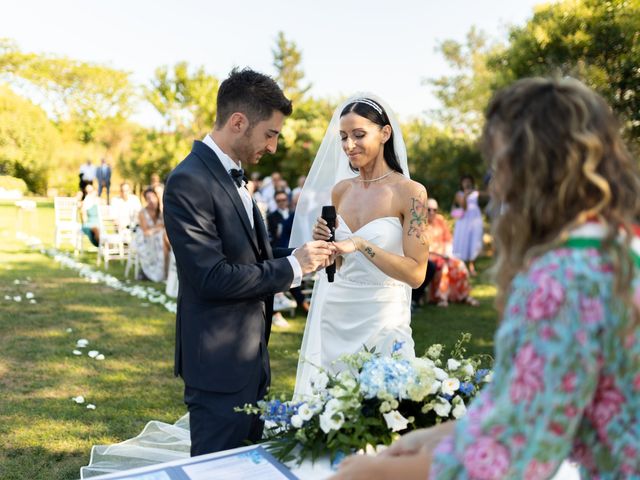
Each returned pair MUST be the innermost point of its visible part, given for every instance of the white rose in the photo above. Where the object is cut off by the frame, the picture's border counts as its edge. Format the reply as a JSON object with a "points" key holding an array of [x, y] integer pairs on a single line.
{"points": [[449, 386], [453, 364], [442, 407], [440, 374], [304, 412], [395, 421], [333, 406], [347, 379], [468, 369], [320, 381], [459, 408], [488, 377], [435, 386], [296, 421], [330, 421]]}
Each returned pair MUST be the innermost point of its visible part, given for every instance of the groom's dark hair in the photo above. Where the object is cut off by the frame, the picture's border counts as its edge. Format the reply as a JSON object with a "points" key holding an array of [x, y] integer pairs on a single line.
{"points": [[254, 94]]}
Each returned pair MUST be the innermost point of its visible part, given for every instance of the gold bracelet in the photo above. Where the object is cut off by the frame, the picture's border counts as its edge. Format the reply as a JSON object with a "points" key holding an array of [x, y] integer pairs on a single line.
{"points": [[355, 245]]}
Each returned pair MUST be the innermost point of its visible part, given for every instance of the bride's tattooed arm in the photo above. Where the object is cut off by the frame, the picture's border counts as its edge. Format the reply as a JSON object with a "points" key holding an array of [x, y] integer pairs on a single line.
{"points": [[418, 220]]}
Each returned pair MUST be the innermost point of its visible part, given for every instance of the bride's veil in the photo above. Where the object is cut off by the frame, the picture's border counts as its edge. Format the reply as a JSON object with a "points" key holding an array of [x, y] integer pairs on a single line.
{"points": [[332, 165]]}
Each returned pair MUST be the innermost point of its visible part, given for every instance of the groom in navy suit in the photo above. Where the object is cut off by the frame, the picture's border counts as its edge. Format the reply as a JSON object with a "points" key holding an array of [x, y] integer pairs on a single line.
{"points": [[227, 270]]}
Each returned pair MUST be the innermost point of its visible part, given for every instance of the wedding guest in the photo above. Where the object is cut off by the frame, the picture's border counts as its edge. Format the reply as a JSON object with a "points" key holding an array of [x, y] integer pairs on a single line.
{"points": [[87, 175], [566, 380], [157, 186], [467, 233], [103, 175], [451, 279], [151, 240], [300, 184], [126, 208], [277, 220], [89, 214]]}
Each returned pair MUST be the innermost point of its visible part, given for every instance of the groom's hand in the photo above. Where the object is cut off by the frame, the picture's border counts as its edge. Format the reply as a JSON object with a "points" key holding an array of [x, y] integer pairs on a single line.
{"points": [[313, 255]]}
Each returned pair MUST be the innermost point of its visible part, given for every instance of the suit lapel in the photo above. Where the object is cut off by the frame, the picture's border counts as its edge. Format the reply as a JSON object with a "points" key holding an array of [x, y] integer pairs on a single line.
{"points": [[213, 163]]}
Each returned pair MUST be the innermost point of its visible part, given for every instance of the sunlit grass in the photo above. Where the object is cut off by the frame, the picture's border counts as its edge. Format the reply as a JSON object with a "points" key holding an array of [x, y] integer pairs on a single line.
{"points": [[44, 434]]}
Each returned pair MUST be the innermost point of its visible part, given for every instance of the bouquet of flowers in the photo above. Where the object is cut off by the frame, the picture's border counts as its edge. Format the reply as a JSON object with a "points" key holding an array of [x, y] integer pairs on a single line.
{"points": [[371, 402]]}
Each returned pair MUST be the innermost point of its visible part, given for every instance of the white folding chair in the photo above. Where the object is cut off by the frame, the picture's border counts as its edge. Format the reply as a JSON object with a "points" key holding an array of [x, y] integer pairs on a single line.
{"points": [[67, 226], [111, 244], [132, 258]]}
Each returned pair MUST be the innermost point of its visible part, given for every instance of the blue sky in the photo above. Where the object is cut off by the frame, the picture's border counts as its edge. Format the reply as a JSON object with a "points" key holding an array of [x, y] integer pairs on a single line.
{"points": [[387, 47]]}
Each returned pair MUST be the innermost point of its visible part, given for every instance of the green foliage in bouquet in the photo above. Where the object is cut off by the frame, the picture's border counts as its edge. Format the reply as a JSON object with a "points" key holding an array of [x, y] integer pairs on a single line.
{"points": [[371, 402]]}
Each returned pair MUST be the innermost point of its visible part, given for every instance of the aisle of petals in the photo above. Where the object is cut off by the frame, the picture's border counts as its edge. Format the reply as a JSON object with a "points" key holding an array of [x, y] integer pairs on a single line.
{"points": [[93, 276]]}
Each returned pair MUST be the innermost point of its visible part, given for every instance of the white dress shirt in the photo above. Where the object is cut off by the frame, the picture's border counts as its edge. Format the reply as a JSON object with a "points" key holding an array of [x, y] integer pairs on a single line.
{"points": [[247, 201]]}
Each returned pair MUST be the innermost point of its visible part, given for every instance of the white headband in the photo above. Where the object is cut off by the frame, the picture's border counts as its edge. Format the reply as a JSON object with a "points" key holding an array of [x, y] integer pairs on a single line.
{"points": [[371, 103]]}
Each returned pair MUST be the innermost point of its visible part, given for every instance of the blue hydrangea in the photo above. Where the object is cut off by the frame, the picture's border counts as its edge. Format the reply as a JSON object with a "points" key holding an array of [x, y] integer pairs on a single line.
{"points": [[385, 376]]}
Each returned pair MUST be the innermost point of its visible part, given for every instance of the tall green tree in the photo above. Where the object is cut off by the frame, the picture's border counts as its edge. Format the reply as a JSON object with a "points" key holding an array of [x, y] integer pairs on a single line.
{"points": [[597, 41], [185, 98], [81, 97], [287, 60], [28, 140], [466, 91]]}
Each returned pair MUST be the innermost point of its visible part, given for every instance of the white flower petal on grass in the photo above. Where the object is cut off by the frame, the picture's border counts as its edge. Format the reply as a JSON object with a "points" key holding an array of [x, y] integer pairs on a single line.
{"points": [[83, 342], [78, 399], [69, 330], [7, 297], [32, 301], [91, 406], [77, 352], [29, 295], [93, 353], [16, 282], [100, 357], [17, 298], [395, 421]]}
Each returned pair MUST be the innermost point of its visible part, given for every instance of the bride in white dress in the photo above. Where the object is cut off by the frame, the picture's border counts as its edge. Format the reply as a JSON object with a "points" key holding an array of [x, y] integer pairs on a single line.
{"points": [[361, 168]]}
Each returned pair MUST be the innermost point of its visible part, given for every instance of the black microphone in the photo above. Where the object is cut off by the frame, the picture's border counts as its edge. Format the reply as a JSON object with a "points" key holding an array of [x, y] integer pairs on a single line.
{"points": [[329, 216]]}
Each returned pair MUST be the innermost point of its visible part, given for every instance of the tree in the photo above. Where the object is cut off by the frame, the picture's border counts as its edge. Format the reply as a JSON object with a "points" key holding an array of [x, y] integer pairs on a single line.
{"points": [[439, 156], [286, 60], [594, 40], [81, 97], [28, 140], [465, 93]]}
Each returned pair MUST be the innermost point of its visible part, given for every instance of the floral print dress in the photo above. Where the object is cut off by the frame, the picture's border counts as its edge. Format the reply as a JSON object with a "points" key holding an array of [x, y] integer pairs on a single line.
{"points": [[566, 378]]}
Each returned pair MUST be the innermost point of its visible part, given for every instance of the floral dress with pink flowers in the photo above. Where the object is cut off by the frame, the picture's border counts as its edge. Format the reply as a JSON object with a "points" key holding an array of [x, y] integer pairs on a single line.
{"points": [[566, 381]]}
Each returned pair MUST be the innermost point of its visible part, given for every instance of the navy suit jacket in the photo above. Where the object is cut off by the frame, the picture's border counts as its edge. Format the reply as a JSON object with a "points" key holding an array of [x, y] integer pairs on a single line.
{"points": [[227, 275]]}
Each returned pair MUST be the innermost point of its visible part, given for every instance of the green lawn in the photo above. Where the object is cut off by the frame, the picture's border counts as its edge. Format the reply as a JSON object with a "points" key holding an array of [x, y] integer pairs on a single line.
{"points": [[44, 434]]}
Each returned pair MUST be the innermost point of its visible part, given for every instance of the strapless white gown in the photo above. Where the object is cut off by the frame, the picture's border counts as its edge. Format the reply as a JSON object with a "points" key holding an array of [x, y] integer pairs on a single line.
{"points": [[362, 307]]}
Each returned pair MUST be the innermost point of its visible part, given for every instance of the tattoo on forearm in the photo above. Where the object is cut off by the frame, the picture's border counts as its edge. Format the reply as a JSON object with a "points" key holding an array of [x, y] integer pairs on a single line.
{"points": [[418, 221], [369, 251]]}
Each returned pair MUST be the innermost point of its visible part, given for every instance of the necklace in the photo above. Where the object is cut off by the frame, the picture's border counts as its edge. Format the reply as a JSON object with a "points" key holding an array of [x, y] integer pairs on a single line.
{"points": [[365, 180]]}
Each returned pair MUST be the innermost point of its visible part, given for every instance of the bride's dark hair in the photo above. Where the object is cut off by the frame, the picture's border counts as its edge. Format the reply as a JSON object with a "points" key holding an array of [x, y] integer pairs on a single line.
{"points": [[379, 118]]}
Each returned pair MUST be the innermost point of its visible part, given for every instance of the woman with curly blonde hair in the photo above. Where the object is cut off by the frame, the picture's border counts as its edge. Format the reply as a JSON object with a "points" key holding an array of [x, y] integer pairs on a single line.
{"points": [[566, 381]]}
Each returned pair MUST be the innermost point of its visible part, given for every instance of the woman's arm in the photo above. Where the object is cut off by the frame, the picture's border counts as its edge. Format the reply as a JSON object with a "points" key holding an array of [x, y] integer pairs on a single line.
{"points": [[410, 267]]}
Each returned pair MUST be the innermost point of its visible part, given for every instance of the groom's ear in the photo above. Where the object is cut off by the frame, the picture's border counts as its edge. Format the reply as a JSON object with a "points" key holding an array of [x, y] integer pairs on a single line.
{"points": [[238, 122]]}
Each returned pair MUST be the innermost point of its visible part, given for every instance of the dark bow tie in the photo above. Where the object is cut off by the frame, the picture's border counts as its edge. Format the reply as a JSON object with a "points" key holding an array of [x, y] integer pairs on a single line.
{"points": [[238, 176]]}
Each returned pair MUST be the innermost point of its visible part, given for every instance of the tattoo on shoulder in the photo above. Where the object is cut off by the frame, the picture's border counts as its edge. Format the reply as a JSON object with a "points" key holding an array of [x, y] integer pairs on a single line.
{"points": [[369, 251], [418, 220]]}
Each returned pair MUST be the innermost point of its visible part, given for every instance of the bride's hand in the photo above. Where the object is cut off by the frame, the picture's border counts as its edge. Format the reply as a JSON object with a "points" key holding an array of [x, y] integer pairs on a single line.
{"points": [[347, 246], [320, 230]]}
